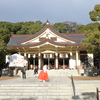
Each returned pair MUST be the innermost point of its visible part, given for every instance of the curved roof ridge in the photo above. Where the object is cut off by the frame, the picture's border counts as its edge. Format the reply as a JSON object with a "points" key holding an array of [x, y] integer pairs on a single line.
{"points": [[53, 30], [47, 40], [43, 41]]}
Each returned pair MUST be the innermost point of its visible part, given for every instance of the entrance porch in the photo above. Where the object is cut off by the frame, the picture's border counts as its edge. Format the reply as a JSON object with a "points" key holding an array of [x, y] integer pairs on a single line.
{"points": [[49, 60]]}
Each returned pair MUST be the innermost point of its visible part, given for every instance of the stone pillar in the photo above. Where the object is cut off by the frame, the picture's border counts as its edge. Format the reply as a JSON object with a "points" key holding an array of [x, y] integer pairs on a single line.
{"points": [[39, 60], [90, 58], [56, 60]]}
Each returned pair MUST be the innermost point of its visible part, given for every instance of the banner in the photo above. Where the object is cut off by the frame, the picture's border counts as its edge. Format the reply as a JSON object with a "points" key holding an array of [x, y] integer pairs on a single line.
{"points": [[16, 60], [71, 63]]}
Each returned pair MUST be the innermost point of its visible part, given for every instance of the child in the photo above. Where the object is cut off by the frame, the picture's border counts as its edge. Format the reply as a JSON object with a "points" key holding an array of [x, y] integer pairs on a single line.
{"points": [[36, 71]]}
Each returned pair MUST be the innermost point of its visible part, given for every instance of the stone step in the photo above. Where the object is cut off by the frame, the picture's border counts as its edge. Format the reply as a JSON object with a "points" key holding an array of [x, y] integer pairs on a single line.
{"points": [[48, 91], [61, 72], [52, 95], [39, 88], [43, 97], [35, 93]]}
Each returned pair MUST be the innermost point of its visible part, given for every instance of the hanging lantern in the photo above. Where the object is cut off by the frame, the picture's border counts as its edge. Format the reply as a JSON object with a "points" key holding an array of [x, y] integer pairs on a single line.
{"points": [[34, 55], [44, 56], [66, 56], [60, 55], [51, 56], [28, 55]]}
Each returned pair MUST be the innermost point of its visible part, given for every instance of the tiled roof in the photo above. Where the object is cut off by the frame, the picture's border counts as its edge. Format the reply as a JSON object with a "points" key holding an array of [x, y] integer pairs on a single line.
{"points": [[16, 40]]}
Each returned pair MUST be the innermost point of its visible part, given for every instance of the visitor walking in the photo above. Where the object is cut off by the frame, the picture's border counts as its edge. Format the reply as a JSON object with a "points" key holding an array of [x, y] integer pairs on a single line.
{"points": [[43, 75], [23, 72], [36, 71]]}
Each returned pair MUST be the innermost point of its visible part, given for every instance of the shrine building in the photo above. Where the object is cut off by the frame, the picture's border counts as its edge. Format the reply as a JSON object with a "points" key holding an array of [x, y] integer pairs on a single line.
{"points": [[57, 50]]}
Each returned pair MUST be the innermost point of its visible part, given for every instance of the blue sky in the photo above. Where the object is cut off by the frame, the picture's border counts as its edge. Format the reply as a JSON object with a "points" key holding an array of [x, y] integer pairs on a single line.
{"points": [[53, 10]]}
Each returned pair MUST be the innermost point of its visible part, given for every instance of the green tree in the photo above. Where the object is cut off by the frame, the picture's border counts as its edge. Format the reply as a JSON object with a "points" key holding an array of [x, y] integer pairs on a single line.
{"points": [[5, 29], [2, 54], [59, 27], [90, 26], [71, 27], [95, 14], [92, 41], [16, 27]]}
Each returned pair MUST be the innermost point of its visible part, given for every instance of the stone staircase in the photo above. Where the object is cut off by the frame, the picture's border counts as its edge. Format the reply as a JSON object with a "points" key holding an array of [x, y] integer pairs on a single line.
{"points": [[59, 87], [86, 91], [36, 92], [61, 72], [46, 91]]}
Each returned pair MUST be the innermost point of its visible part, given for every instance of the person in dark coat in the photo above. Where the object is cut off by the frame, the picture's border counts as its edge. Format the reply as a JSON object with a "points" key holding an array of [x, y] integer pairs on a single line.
{"points": [[36, 71], [0, 72], [24, 72]]}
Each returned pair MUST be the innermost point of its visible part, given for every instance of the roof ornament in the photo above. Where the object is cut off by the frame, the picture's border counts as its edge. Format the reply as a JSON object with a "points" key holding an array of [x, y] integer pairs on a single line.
{"points": [[47, 35], [47, 23]]}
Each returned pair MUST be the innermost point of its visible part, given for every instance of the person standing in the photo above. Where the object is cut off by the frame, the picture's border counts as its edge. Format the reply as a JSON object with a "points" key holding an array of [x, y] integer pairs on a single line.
{"points": [[24, 72], [43, 75], [0, 72], [36, 71]]}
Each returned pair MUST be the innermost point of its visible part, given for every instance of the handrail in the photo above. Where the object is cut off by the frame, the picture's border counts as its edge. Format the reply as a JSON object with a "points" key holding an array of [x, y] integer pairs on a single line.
{"points": [[98, 94], [73, 85]]}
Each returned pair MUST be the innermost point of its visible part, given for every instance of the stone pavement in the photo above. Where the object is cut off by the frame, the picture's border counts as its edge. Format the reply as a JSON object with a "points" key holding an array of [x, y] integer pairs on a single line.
{"points": [[34, 80], [53, 80]]}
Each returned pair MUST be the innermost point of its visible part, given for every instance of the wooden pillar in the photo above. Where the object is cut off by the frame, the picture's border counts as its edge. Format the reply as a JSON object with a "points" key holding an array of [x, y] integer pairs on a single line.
{"points": [[77, 59], [39, 60], [63, 63], [56, 60]]}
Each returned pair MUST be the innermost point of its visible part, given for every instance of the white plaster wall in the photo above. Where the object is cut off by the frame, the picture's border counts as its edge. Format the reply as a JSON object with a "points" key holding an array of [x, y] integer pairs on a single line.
{"points": [[72, 62], [60, 40], [36, 40]]}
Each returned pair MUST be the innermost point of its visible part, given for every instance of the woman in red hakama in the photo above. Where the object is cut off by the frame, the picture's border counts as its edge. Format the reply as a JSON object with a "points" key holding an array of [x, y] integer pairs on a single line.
{"points": [[43, 75]]}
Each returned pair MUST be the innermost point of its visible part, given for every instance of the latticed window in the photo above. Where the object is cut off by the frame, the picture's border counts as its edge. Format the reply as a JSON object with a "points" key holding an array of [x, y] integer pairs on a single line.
{"points": [[53, 38], [41, 39]]}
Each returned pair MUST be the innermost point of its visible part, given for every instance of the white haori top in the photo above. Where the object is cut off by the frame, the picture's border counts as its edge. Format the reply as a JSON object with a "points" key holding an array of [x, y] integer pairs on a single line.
{"points": [[45, 68]]}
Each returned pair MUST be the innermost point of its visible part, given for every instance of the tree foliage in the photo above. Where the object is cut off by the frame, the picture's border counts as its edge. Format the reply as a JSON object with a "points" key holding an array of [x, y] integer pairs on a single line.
{"points": [[90, 26], [71, 27], [92, 41], [59, 27], [95, 14], [66, 27]]}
